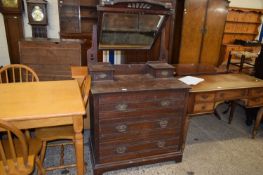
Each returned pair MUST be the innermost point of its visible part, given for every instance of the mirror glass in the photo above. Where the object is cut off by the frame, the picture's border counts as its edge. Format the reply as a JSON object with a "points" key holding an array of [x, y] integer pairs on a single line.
{"points": [[129, 31]]}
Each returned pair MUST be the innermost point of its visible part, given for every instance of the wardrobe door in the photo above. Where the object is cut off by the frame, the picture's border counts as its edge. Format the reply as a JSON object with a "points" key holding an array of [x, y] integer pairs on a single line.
{"points": [[193, 23], [214, 28]]}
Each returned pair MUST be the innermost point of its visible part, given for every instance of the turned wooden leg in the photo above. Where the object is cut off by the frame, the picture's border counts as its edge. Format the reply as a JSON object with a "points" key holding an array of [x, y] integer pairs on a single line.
{"points": [[257, 123], [232, 110], [79, 147]]}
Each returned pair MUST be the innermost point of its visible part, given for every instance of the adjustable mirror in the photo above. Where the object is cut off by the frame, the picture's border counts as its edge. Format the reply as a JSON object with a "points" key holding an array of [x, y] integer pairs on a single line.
{"points": [[131, 24]]}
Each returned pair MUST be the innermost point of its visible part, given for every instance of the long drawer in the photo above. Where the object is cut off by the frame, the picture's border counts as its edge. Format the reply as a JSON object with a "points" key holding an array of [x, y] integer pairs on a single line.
{"points": [[141, 97], [140, 127], [116, 151]]}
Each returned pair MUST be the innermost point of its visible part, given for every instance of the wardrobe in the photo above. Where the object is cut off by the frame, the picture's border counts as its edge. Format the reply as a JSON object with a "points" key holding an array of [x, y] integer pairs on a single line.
{"points": [[202, 31]]}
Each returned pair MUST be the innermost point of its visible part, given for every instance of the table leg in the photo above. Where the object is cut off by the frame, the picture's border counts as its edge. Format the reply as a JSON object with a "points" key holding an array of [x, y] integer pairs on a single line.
{"points": [[257, 122], [79, 147]]}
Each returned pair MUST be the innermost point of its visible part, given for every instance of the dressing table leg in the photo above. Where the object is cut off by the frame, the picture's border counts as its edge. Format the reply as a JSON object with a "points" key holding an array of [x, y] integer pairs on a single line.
{"points": [[257, 122]]}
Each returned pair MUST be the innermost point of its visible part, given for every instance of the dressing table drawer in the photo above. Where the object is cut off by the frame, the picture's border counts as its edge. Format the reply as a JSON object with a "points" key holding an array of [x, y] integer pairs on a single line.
{"points": [[256, 92], [203, 107], [230, 94], [258, 101], [204, 97]]}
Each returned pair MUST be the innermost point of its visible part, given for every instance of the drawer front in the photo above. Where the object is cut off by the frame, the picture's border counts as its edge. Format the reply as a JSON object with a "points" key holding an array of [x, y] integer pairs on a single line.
{"points": [[131, 128], [230, 94], [258, 101], [141, 97], [203, 107], [115, 152], [204, 97], [256, 92]]}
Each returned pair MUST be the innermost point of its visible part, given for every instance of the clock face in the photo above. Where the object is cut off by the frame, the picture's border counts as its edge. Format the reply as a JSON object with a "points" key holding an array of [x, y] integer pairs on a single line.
{"points": [[10, 3], [37, 14]]}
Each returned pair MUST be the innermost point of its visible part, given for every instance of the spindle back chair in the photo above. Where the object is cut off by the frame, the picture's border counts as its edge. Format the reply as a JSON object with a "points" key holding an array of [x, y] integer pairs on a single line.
{"points": [[14, 73], [17, 154]]}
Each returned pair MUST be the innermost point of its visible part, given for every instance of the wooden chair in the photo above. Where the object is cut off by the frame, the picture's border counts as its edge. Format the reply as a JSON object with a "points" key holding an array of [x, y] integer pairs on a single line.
{"points": [[14, 73], [62, 132], [17, 154]]}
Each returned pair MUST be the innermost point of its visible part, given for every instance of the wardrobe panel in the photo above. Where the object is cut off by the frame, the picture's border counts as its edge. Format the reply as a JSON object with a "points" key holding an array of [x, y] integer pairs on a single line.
{"points": [[193, 21]]}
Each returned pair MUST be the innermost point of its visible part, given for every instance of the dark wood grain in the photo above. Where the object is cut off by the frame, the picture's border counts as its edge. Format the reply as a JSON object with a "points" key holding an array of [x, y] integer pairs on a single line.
{"points": [[143, 124]]}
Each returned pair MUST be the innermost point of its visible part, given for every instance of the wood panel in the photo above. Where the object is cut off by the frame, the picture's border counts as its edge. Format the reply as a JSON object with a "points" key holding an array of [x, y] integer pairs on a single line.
{"points": [[193, 22], [14, 32], [215, 22], [52, 59]]}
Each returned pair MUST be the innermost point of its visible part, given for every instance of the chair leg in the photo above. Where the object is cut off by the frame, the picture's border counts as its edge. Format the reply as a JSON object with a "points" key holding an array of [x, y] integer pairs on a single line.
{"points": [[43, 152], [41, 170]]}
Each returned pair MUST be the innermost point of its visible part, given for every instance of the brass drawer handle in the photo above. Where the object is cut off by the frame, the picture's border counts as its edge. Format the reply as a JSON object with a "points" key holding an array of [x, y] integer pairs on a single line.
{"points": [[121, 149], [164, 73], [100, 76], [121, 107], [165, 103], [161, 144], [163, 123], [204, 96], [121, 128]]}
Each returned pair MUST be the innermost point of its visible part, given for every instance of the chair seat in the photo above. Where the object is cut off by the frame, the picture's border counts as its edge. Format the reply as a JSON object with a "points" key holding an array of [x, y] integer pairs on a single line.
{"points": [[55, 133], [34, 149]]}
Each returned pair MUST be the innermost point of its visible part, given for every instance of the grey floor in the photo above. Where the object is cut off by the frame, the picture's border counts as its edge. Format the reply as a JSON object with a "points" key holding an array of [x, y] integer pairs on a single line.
{"points": [[213, 148]]}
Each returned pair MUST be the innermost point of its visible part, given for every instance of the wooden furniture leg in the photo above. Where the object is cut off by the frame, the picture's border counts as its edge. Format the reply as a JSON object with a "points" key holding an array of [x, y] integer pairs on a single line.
{"points": [[79, 147], [232, 110], [257, 123]]}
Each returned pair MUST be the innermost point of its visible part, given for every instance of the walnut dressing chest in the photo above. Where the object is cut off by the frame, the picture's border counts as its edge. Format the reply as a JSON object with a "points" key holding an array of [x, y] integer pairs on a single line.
{"points": [[138, 114]]}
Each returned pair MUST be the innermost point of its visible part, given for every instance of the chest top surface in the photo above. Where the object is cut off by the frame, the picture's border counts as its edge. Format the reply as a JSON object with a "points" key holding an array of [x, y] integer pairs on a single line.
{"points": [[131, 78]]}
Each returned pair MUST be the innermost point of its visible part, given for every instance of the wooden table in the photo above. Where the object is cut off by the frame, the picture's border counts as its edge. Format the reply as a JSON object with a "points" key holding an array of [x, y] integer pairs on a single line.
{"points": [[216, 88], [44, 104], [205, 96]]}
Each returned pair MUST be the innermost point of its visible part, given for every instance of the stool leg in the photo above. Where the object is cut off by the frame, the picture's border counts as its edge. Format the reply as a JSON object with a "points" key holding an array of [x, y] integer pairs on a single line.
{"points": [[242, 63]]}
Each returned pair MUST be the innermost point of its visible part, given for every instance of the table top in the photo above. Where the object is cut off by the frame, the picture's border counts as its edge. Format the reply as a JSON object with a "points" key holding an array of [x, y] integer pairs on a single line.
{"points": [[35, 100], [226, 82]]}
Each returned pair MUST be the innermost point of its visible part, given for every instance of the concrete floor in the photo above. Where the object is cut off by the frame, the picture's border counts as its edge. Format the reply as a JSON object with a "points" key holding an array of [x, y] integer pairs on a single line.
{"points": [[213, 148]]}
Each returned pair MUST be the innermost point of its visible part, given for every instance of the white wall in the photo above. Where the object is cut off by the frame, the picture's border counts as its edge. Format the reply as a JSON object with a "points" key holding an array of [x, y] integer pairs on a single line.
{"points": [[4, 55], [53, 20], [257, 4]]}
